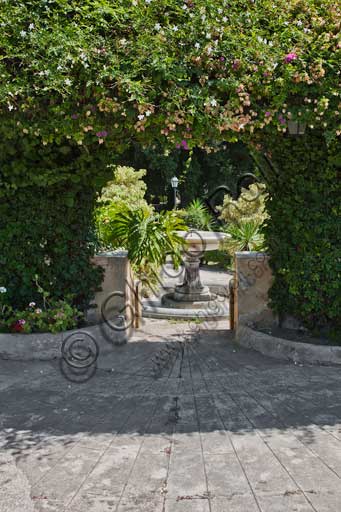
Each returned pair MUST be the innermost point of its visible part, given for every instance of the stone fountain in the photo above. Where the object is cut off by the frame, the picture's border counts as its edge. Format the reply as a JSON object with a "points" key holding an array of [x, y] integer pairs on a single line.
{"points": [[191, 298]]}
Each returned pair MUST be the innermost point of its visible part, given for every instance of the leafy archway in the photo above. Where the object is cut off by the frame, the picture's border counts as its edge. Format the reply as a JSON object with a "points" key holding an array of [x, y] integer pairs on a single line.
{"points": [[81, 81]]}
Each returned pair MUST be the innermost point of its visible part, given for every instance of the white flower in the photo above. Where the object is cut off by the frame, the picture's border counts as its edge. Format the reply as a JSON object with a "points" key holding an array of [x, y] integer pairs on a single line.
{"points": [[32, 304], [299, 23], [148, 1], [224, 19], [10, 107], [157, 26], [184, 7], [68, 81], [213, 103], [197, 45], [175, 28], [148, 113], [23, 33], [31, 26], [140, 117], [3, 289], [220, 11], [208, 36]]}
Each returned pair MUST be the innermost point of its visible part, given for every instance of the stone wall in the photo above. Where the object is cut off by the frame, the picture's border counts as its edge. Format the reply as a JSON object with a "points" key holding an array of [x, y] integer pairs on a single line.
{"points": [[252, 281]]}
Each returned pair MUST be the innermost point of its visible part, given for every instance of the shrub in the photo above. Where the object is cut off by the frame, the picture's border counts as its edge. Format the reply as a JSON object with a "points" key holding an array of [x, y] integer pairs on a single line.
{"points": [[148, 237], [47, 199], [45, 231], [249, 207], [303, 231], [46, 316], [219, 257], [126, 188], [244, 236], [197, 216]]}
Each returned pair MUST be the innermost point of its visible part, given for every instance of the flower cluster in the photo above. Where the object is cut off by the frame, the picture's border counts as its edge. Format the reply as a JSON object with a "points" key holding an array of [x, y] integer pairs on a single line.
{"points": [[168, 73], [58, 316], [53, 316]]}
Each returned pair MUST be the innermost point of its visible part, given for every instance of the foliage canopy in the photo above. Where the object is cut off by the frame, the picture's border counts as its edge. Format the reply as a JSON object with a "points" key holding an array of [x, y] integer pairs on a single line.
{"points": [[179, 71]]}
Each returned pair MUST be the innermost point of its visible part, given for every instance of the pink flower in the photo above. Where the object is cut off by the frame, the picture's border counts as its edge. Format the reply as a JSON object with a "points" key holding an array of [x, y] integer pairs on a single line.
{"points": [[32, 304], [183, 144], [267, 114], [74, 116], [102, 134], [236, 64], [290, 57], [222, 59], [22, 322], [281, 119]]}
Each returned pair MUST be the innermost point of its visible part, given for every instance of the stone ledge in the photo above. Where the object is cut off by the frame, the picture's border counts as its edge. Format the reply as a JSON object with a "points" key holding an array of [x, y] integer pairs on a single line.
{"points": [[246, 255], [283, 349], [47, 346]]}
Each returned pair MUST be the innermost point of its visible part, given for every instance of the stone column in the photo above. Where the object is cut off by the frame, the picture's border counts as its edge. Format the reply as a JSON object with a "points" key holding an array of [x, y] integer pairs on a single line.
{"points": [[252, 281], [115, 302]]}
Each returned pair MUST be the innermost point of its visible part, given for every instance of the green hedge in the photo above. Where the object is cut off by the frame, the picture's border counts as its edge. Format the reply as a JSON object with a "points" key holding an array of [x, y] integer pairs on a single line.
{"points": [[47, 198], [304, 229], [41, 235]]}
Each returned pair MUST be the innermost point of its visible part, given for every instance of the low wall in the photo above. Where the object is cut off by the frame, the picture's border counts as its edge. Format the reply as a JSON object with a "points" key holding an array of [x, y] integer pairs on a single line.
{"points": [[48, 346], [279, 348]]}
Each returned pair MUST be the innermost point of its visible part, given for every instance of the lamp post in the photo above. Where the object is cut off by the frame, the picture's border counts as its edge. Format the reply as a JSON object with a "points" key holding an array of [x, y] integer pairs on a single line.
{"points": [[175, 183]]}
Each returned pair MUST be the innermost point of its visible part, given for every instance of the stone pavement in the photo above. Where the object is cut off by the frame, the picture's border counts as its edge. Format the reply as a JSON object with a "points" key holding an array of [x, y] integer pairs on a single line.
{"points": [[178, 420]]}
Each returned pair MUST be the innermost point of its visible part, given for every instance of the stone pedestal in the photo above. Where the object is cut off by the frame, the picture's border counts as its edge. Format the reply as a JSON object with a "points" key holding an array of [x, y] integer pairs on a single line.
{"points": [[115, 303], [192, 290], [251, 285]]}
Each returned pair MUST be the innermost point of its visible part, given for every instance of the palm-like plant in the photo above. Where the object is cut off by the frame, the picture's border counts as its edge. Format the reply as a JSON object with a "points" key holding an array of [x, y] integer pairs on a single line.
{"points": [[147, 237], [245, 236], [197, 216]]}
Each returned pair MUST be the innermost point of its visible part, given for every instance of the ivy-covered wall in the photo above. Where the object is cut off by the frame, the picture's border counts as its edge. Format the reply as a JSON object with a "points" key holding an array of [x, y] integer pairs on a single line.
{"points": [[304, 228], [47, 200]]}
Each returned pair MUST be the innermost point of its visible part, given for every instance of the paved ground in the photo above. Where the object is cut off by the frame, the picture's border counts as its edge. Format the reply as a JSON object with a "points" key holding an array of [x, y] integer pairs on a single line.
{"points": [[193, 425]]}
